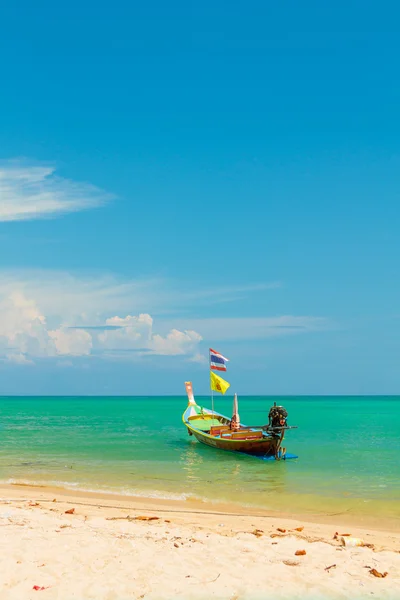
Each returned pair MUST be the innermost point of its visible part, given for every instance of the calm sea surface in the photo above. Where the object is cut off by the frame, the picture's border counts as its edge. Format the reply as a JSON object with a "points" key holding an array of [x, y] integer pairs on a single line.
{"points": [[348, 451]]}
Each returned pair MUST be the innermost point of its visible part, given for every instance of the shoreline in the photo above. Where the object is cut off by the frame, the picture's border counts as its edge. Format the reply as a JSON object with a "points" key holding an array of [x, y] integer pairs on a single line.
{"points": [[298, 504], [381, 528], [91, 546]]}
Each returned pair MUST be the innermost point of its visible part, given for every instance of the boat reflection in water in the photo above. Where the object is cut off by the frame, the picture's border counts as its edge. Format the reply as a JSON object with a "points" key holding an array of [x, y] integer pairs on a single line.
{"points": [[232, 477]]}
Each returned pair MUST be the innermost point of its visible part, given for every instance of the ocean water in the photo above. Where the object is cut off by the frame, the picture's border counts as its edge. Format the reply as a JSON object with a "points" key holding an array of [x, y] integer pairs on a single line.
{"points": [[348, 451]]}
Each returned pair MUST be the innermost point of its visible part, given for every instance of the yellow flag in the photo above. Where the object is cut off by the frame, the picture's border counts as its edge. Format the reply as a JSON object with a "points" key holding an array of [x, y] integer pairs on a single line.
{"points": [[218, 384]]}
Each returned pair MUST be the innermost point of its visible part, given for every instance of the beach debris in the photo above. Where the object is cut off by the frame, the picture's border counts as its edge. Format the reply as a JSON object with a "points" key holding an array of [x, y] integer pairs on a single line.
{"points": [[54, 500], [257, 532], [33, 504], [376, 573], [42, 565], [337, 535], [206, 581], [274, 535], [351, 542], [274, 543], [330, 567], [300, 553], [70, 511], [176, 545], [40, 588], [297, 529], [291, 563], [129, 518], [167, 521], [281, 530], [64, 526]]}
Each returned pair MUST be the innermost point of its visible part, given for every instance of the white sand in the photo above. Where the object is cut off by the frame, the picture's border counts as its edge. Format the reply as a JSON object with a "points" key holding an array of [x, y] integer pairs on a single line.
{"points": [[196, 555]]}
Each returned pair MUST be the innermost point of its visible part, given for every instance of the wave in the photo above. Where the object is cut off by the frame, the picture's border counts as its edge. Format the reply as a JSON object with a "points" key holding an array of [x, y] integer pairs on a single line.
{"points": [[76, 486]]}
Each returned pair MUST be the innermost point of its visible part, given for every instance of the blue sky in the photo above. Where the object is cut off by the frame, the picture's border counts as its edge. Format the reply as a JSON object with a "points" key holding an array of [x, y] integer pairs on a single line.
{"points": [[180, 176]]}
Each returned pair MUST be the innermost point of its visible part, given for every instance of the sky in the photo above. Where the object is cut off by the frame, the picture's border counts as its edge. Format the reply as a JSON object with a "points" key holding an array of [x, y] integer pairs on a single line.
{"points": [[178, 176]]}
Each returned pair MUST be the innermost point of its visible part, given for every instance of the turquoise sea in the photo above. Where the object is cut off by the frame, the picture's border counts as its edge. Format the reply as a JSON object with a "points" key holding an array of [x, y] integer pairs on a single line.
{"points": [[348, 450]]}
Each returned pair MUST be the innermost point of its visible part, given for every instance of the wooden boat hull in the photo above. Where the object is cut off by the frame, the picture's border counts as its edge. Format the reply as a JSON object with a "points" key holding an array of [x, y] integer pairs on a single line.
{"points": [[200, 422], [267, 446]]}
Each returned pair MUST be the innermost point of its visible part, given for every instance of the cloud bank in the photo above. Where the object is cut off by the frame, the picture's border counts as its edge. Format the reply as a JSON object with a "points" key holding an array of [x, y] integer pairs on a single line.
{"points": [[48, 315], [34, 192], [25, 335]]}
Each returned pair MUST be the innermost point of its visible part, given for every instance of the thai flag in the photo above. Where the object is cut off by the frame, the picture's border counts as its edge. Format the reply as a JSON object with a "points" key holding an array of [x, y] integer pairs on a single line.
{"points": [[217, 361]]}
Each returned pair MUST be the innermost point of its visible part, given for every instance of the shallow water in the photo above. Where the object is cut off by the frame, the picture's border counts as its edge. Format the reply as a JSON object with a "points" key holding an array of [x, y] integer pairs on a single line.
{"points": [[347, 448]]}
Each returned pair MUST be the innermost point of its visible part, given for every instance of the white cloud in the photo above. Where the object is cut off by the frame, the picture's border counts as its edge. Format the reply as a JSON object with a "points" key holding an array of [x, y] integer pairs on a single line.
{"points": [[74, 342], [136, 333], [175, 342], [34, 191], [132, 333], [23, 326], [24, 331]]}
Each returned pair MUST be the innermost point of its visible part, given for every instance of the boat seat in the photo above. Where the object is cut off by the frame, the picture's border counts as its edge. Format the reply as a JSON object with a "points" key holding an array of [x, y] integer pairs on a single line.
{"points": [[219, 430], [247, 435]]}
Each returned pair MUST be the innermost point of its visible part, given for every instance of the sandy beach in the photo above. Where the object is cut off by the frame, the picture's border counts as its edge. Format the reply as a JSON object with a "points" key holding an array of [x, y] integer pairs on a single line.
{"points": [[112, 547]]}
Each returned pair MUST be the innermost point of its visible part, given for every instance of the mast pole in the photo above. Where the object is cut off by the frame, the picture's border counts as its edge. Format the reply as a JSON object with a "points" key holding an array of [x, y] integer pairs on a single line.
{"points": [[211, 390]]}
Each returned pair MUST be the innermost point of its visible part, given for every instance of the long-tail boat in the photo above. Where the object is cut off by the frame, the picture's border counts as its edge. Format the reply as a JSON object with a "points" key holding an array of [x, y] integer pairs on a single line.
{"points": [[216, 430]]}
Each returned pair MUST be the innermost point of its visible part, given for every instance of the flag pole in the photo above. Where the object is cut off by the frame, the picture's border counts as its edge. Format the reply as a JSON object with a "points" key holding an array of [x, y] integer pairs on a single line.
{"points": [[211, 390]]}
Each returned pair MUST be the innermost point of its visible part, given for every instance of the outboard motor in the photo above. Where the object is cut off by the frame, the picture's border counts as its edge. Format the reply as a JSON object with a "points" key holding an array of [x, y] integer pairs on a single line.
{"points": [[277, 416]]}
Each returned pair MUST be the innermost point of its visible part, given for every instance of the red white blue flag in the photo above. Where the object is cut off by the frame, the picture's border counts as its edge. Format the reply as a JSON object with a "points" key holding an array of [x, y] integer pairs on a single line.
{"points": [[217, 361]]}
